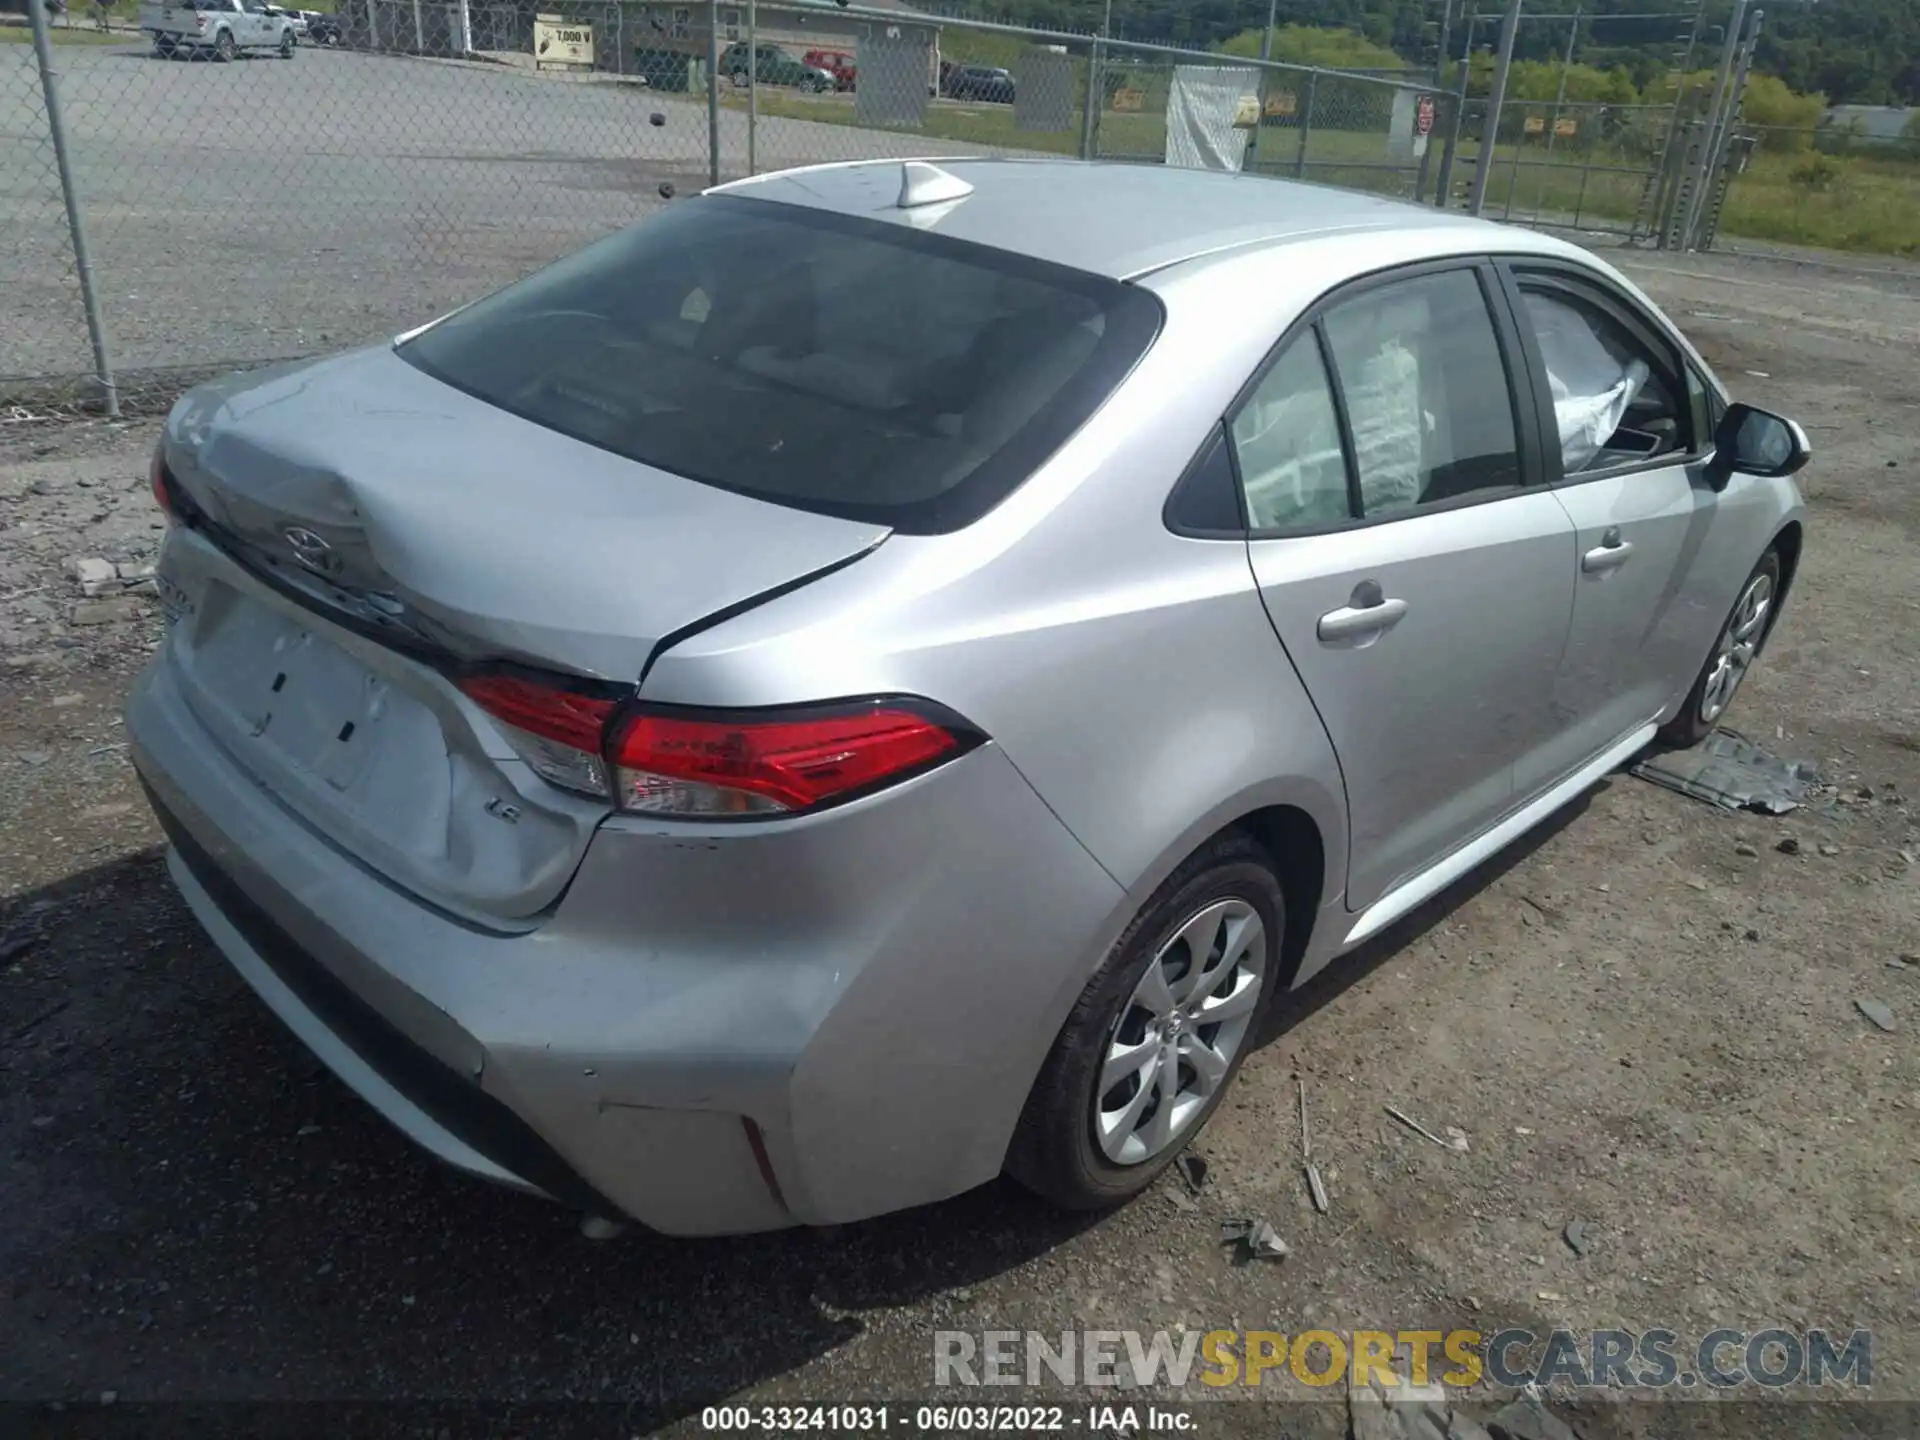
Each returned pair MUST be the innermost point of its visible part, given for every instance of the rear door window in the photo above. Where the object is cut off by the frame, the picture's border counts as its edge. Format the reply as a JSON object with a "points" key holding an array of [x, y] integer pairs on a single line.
{"points": [[843, 365], [1426, 392], [1393, 400]]}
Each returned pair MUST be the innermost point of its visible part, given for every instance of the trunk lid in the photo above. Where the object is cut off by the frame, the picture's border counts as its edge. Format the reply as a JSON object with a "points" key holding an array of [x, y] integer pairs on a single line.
{"points": [[394, 523]]}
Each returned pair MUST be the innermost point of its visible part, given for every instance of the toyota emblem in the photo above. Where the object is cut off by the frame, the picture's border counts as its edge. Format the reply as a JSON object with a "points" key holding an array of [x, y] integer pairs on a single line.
{"points": [[311, 550]]}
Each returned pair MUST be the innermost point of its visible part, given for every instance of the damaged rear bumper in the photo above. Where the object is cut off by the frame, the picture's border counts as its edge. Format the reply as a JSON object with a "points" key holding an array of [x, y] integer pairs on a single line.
{"points": [[714, 1031]]}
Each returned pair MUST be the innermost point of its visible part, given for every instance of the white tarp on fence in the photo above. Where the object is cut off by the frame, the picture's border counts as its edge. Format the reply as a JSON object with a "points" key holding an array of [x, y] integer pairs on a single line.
{"points": [[1203, 105]]}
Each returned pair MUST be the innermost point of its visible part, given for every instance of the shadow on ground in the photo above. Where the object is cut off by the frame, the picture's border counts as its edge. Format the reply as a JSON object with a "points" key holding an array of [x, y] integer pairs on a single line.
{"points": [[197, 1204]]}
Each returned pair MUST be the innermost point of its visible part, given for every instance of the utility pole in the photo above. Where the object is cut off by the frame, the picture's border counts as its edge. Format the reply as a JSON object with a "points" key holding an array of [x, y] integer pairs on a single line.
{"points": [[1490, 135], [1729, 56], [1705, 221]]}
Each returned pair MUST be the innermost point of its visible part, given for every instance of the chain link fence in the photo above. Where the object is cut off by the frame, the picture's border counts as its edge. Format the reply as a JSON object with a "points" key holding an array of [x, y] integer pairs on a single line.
{"points": [[252, 195], [44, 340]]}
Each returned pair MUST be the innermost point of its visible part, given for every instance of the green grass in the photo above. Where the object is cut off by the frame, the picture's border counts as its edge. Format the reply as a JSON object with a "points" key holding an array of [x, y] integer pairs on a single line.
{"points": [[1858, 203], [1851, 203]]}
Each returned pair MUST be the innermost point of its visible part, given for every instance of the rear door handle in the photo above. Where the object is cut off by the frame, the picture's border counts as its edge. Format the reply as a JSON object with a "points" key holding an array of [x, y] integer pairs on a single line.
{"points": [[1368, 613], [1607, 556]]}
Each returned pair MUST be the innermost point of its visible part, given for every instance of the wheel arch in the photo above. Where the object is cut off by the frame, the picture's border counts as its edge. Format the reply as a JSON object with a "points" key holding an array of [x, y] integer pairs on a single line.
{"points": [[1293, 841], [1787, 542]]}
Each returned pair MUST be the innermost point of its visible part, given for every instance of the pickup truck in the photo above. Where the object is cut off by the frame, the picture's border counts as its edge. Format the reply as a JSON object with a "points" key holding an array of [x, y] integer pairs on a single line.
{"points": [[222, 28]]}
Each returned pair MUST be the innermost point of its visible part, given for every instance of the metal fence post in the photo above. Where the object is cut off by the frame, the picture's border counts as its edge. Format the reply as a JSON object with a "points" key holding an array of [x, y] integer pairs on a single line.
{"points": [[713, 92], [76, 222], [1266, 76], [1729, 56], [1306, 125], [1091, 118], [1496, 101], [1443, 190], [1706, 221], [753, 87]]}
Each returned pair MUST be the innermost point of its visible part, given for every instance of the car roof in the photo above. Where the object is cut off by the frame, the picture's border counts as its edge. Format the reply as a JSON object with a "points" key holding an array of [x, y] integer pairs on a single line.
{"points": [[1116, 219]]}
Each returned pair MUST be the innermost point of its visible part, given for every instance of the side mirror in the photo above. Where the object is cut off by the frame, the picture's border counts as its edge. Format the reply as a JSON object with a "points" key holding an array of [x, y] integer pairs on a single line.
{"points": [[1756, 442]]}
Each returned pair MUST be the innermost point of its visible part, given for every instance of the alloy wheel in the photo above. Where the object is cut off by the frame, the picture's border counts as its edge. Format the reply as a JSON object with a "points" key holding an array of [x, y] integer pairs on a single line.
{"points": [[1176, 1038], [1739, 641]]}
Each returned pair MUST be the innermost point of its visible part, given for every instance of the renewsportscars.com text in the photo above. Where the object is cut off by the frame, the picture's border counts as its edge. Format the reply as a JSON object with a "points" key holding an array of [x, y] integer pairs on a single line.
{"points": [[1653, 1359]]}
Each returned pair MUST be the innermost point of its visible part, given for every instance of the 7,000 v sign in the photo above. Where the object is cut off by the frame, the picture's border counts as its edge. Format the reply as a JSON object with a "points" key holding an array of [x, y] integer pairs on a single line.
{"points": [[561, 42]]}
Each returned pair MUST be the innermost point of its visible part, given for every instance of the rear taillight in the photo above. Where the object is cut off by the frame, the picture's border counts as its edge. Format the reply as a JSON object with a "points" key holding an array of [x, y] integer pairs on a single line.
{"points": [[698, 763], [559, 734], [157, 477], [743, 765]]}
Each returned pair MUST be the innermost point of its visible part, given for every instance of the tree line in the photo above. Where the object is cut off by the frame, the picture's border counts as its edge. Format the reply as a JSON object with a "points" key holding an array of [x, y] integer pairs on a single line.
{"points": [[1863, 52]]}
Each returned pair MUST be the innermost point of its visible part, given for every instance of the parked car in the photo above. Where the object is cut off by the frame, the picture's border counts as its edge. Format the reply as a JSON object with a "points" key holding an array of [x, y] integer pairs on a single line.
{"points": [[295, 18], [986, 83], [725, 769], [221, 29], [773, 67], [837, 63], [322, 28]]}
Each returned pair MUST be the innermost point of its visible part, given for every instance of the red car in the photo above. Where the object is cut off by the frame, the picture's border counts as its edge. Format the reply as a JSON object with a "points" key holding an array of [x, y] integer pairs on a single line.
{"points": [[837, 63]]}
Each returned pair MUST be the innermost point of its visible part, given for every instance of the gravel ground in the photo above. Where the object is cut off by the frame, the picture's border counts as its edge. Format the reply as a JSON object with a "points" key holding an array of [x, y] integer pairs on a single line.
{"points": [[1643, 1018], [269, 208]]}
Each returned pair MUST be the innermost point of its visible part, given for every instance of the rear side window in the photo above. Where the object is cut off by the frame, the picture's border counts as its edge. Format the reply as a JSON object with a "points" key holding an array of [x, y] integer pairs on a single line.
{"points": [[1426, 392], [842, 365], [1287, 440], [1391, 401]]}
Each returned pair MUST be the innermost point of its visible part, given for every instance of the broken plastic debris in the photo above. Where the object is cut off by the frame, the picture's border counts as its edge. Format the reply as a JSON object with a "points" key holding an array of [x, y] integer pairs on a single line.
{"points": [[1193, 1170], [1877, 1012], [1315, 1186], [1456, 1137], [1257, 1239], [1729, 770], [1317, 1189]]}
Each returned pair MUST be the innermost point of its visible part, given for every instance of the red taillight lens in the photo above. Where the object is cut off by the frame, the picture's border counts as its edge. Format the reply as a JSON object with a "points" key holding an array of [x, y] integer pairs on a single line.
{"points": [[559, 734], [667, 764], [552, 714], [701, 763], [157, 477]]}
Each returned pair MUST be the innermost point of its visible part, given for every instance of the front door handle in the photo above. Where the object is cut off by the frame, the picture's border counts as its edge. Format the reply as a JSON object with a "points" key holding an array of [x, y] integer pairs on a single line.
{"points": [[1368, 612], [1607, 556]]}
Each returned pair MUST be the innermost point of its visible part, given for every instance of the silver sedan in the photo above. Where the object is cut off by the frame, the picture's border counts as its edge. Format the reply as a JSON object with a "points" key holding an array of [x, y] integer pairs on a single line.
{"points": [[880, 674]]}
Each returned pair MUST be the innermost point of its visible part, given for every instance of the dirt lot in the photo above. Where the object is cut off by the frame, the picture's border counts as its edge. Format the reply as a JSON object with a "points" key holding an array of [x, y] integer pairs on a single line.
{"points": [[1643, 1019]]}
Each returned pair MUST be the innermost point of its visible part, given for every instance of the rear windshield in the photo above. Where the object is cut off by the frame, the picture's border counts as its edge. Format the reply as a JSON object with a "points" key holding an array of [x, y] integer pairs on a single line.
{"points": [[847, 366]]}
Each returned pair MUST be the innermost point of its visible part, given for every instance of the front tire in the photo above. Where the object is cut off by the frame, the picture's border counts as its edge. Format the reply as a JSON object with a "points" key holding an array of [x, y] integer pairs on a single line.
{"points": [[286, 46], [1159, 1033], [1732, 656]]}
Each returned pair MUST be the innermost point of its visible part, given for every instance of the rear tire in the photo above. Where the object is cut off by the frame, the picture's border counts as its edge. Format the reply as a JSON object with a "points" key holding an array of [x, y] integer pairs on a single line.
{"points": [[163, 49], [1734, 650], [286, 46], [223, 47], [1087, 1150]]}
